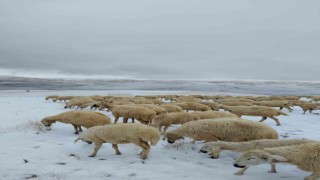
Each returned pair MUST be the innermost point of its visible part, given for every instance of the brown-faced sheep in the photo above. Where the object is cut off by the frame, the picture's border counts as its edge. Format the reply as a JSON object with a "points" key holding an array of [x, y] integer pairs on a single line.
{"points": [[304, 156], [222, 129], [115, 134], [168, 119], [263, 111], [213, 105], [77, 119]]}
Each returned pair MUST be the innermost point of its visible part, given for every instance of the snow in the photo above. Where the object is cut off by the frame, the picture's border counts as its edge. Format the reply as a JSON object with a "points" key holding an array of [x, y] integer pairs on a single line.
{"points": [[28, 153]]}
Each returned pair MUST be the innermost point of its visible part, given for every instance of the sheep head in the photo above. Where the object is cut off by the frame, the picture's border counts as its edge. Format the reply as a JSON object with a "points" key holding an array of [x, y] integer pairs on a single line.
{"points": [[171, 137], [256, 157], [47, 122]]}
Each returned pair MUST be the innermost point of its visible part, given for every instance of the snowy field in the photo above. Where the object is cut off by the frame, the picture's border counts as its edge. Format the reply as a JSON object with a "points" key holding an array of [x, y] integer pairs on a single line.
{"points": [[27, 153]]}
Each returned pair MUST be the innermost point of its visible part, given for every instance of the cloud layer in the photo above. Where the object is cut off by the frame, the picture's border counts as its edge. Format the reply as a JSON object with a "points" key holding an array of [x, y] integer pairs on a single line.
{"points": [[167, 39]]}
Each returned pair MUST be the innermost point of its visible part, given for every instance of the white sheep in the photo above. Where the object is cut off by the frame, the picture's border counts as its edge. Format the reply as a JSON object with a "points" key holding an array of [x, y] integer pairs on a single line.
{"points": [[171, 108], [223, 129], [77, 119], [216, 147], [304, 156], [138, 134], [166, 120], [263, 111], [213, 114]]}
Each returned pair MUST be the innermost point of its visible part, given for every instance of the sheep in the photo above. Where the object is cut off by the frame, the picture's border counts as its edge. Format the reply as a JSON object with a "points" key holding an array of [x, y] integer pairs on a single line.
{"points": [[63, 98], [280, 104], [235, 103], [142, 114], [138, 134], [171, 108], [156, 101], [193, 106], [77, 119], [168, 119], [79, 102], [155, 108], [213, 105], [305, 156], [51, 97], [213, 114], [217, 147], [263, 111], [309, 107], [223, 129]]}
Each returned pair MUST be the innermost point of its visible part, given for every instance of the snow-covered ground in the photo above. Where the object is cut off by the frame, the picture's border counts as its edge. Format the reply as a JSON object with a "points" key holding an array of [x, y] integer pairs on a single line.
{"points": [[26, 153]]}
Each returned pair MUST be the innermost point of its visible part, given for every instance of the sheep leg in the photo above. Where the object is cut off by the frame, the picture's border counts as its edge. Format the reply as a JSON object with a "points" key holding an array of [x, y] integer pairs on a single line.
{"points": [[312, 176], [96, 149], [273, 168], [281, 108], [79, 129], [115, 147], [304, 111], [145, 149], [125, 120], [263, 119], [275, 119], [132, 120], [75, 128], [241, 171], [116, 119]]}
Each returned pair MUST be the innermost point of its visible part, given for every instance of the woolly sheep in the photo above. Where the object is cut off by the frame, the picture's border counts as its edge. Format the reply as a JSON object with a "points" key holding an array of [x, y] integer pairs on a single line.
{"points": [[115, 134], [51, 97], [213, 105], [213, 114], [193, 106], [144, 115], [155, 108], [224, 129], [166, 120], [171, 108], [79, 102], [77, 119], [280, 104], [304, 156], [216, 147], [63, 98], [263, 111]]}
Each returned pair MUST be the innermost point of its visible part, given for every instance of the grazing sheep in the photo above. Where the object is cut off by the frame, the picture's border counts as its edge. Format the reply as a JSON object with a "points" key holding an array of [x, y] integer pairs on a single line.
{"points": [[77, 119], [193, 106], [213, 105], [80, 102], [168, 119], [155, 108], [63, 98], [280, 104], [213, 114], [144, 115], [263, 111], [217, 147], [222, 129], [235, 103], [309, 107], [51, 97], [305, 156], [171, 108], [115, 134]]}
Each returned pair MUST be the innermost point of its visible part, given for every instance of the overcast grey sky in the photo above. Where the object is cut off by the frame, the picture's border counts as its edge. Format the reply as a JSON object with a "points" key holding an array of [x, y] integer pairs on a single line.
{"points": [[162, 39]]}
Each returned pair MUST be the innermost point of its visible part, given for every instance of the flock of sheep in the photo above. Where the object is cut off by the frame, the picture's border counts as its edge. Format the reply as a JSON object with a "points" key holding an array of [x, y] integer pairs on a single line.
{"points": [[213, 119]]}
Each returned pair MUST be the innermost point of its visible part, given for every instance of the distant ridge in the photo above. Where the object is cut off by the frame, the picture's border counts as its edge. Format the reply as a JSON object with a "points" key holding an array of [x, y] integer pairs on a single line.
{"points": [[225, 86]]}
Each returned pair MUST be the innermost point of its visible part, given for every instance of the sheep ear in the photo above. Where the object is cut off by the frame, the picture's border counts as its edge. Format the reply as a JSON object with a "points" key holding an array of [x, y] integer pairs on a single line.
{"points": [[277, 158]]}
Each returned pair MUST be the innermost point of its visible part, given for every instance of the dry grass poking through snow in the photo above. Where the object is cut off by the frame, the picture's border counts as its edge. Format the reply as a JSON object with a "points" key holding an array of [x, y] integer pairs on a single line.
{"points": [[36, 126]]}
